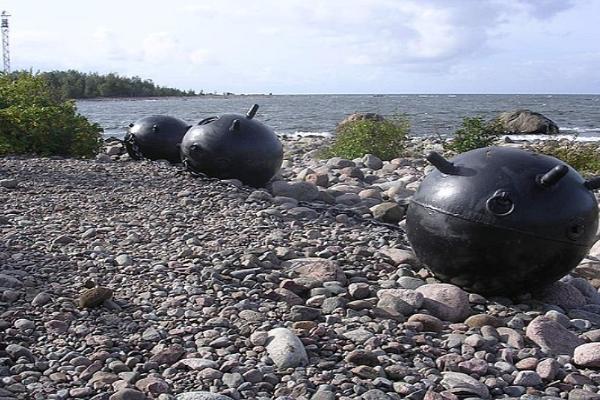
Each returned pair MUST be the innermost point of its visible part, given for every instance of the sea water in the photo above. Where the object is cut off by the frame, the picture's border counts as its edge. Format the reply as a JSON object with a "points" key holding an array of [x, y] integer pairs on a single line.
{"points": [[578, 116]]}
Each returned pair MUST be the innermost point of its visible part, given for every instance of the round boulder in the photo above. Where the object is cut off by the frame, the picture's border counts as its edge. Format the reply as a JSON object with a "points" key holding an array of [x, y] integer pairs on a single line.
{"points": [[527, 122]]}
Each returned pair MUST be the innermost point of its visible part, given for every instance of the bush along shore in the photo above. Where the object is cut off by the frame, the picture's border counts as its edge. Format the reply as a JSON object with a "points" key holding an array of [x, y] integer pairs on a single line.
{"points": [[136, 280]]}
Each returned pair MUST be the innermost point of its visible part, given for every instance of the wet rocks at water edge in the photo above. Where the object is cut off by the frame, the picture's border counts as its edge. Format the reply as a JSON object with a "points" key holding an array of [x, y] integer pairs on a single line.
{"points": [[197, 289]]}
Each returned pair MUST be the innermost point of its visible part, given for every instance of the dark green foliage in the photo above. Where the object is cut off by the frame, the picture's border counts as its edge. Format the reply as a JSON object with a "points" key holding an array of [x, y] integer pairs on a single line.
{"points": [[475, 133], [385, 139], [584, 157], [77, 85], [35, 119]]}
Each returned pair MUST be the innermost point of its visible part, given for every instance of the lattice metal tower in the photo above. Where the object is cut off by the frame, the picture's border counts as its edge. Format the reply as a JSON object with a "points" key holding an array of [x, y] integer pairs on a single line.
{"points": [[5, 50]]}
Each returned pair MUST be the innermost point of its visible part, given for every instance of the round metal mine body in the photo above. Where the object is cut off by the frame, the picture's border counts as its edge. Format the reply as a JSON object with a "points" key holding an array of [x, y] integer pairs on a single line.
{"points": [[502, 221], [156, 137], [233, 146]]}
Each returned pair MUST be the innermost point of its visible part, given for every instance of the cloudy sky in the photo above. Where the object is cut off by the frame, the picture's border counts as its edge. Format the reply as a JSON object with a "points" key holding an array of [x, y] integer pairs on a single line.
{"points": [[318, 46]]}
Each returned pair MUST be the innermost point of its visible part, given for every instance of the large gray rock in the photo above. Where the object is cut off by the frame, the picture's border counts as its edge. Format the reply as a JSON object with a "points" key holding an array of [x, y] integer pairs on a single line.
{"points": [[552, 336], [527, 122], [445, 301], [285, 349]]}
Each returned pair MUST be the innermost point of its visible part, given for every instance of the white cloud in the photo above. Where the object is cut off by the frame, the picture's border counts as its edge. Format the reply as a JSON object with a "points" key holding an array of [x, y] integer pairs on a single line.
{"points": [[159, 47]]}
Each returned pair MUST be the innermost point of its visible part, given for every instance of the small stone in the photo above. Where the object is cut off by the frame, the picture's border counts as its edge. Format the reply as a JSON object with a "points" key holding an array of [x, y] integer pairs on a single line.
{"points": [[64, 239], [388, 212], [529, 363], [80, 393], [474, 366], [429, 322], [259, 338], [41, 299], [151, 334], [24, 324], [359, 335], [16, 351], [564, 295], [587, 355], [316, 269], [582, 394], [365, 372], [196, 364], [232, 380], [285, 349], [547, 369], [362, 357], [359, 290], [403, 301], [552, 336], [301, 191], [511, 337], [9, 183], [168, 356], [95, 297], [10, 282], [464, 385], [409, 282], [400, 256], [527, 379], [479, 320], [124, 260], [56, 326], [445, 301], [152, 385], [210, 373], [200, 395], [304, 313], [128, 394]]}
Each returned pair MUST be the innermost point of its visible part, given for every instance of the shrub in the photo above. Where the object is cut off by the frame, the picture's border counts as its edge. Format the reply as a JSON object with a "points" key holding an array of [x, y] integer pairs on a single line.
{"points": [[34, 119], [385, 139], [584, 157], [475, 133]]}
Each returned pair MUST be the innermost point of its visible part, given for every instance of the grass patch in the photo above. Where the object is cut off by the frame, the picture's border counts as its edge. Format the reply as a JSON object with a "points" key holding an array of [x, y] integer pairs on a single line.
{"points": [[474, 134], [584, 157]]}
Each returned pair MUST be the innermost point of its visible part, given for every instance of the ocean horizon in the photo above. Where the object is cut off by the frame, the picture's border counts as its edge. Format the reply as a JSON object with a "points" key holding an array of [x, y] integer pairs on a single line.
{"points": [[435, 114]]}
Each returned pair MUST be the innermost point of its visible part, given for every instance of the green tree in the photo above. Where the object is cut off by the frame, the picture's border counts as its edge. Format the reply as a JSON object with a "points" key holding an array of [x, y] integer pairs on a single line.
{"points": [[36, 119]]}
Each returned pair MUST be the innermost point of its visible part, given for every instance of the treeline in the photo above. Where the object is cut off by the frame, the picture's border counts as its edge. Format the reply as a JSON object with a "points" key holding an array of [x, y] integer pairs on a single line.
{"points": [[79, 85]]}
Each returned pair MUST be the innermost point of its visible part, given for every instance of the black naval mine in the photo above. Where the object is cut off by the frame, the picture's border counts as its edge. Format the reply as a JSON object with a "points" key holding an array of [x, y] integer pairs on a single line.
{"points": [[156, 137], [502, 221], [233, 146]]}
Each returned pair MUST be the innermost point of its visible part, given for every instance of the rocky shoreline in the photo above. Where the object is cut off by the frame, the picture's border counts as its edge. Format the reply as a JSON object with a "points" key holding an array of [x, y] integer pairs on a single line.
{"points": [[135, 280]]}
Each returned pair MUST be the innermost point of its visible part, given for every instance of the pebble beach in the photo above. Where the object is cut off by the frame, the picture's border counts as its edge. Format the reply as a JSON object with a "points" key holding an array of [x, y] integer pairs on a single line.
{"points": [[125, 280]]}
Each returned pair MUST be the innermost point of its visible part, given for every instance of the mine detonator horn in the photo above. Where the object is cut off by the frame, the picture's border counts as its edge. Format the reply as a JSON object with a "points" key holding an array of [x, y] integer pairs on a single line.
{"points": [[252, 111], [438, 161], [235, 126], [592, 184], [552, 177]]}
